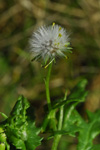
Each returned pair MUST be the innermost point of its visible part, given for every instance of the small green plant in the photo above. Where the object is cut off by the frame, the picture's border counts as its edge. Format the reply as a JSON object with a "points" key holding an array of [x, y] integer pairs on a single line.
{"points": [[19, 131]]}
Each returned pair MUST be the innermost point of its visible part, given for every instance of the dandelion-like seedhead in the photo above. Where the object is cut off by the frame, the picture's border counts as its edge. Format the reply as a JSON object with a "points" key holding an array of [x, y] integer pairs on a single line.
{"points": [[49, 42]]}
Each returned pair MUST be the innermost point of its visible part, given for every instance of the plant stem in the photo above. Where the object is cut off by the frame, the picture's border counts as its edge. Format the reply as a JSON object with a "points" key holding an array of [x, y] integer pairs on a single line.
{"points": [[47, 86], [57, 137], [56, 141]]}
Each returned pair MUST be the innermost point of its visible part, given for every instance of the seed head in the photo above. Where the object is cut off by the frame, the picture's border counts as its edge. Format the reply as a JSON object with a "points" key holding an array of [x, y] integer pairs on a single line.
{"points": [[48, 42]]}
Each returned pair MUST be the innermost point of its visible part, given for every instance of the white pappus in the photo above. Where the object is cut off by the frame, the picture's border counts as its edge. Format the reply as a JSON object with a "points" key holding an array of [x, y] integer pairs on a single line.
{"points": [[48, 42]]}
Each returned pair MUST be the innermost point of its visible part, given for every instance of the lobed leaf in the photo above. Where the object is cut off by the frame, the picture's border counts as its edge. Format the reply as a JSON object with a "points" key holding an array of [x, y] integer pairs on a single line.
{"points": [[89, 131], [20, 128]]}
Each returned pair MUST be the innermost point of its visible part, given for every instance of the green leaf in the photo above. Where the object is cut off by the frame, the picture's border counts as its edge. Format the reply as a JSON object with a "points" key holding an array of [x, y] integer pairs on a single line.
{"points": [[72, 119], [89, 131], [32, 139], [79, 91], [96, 147], [20, 127], [14, 137], [77, 95], [2, 146], [66, 102], [73, 122], [3, 115]]}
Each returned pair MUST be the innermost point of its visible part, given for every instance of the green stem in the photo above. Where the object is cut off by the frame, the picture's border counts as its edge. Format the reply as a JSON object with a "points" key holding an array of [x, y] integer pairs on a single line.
{"points": [[57, 137], [60, 118], [56, 141], [47, 86], [60, 124]]}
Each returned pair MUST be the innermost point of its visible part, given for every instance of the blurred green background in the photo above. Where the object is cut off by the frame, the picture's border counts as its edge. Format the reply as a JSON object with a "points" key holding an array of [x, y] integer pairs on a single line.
{"points": [[18, 75]]}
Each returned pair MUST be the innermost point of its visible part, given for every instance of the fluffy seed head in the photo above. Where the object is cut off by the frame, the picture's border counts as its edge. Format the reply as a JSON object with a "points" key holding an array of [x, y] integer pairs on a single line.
{"points": [[49, 42]]}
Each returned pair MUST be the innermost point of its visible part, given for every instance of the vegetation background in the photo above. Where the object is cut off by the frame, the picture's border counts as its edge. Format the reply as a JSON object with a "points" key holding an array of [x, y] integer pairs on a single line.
{"points": [[18, 75]]}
